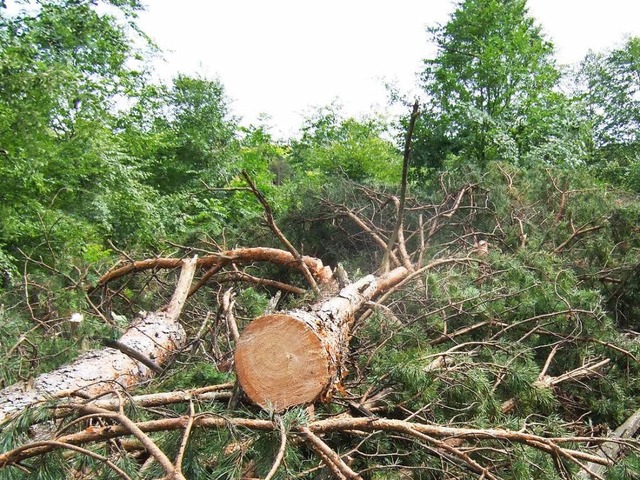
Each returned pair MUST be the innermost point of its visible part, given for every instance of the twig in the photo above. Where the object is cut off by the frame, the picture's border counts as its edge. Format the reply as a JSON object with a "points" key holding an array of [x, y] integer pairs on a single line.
{"points": [[131, 427], [283, 444], [456, 204], [422, 241], [330, 457], [552, 354], [56, 444], [185, 438], [575, 234], [376, 237], [267, 282], [195, 341], [581, 372], [226, 311], [212, 392], [441, 445], [274, 228]]}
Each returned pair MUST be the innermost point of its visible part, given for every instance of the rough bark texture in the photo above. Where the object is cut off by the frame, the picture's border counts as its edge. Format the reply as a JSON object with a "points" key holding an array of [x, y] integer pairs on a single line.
{"points": [[155, 335], [298, 356]]}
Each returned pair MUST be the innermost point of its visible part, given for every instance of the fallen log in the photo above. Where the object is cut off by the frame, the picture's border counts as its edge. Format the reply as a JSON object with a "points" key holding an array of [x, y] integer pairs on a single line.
{"points": [[154, 335], [297, 357]]}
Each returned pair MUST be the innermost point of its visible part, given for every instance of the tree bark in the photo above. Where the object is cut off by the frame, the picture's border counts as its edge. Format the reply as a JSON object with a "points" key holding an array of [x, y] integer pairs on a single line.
{"points": [[298, 357], [155, 336]]}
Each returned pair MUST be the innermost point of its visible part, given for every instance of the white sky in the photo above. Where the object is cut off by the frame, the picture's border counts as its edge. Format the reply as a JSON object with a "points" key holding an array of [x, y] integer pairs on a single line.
{"points": [[282, 57]]}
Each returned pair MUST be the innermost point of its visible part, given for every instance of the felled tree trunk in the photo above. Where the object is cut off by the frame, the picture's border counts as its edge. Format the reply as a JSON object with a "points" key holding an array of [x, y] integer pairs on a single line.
{"points": [[297, 357], [154, 337]]}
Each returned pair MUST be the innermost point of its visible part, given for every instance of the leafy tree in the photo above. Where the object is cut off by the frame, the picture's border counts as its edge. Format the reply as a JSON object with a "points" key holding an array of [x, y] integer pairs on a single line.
{"points": [[355, 149], [64, 179], [183, 139], [190, 130], [490, 85], [609, 86]]}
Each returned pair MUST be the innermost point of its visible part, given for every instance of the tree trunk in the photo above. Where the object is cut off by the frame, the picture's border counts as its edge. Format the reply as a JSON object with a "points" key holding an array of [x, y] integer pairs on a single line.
{"points": [[298, 357], [154, 336]]}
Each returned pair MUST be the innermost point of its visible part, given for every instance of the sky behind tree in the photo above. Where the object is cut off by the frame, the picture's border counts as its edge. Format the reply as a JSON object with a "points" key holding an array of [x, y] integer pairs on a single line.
{"points": [[283, 57]]}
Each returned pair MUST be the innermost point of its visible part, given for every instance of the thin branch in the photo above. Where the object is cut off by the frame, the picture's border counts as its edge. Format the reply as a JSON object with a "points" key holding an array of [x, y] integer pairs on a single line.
{"points": [[376, 237], [185, 438], [218, 260], [549, 445], [281, 450], [328, 454], [384, 267], [274, 228], [226, 311], [56, 444], [575, 234]]}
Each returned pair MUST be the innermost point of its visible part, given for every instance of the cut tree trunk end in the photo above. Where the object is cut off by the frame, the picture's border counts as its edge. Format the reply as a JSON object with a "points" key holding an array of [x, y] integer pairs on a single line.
{"points": [[283, 360], [297, 357]]}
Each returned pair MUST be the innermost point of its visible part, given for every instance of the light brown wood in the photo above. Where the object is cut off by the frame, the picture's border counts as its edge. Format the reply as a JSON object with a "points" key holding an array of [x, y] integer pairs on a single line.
{"points": [[281, 362], [155, 335]]}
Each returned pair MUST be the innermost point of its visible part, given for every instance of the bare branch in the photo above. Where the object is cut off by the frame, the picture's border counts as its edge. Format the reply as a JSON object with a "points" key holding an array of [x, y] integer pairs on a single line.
{"points": [[384, 268], [274, 228]]}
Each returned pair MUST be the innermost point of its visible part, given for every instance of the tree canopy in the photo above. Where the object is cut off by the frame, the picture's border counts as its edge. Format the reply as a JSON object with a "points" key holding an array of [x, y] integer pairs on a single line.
{"points": [[491, 85]]}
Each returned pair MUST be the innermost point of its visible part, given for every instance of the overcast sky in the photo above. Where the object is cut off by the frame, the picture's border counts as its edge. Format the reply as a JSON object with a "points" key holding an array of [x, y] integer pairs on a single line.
{"points": [[282, 57]]}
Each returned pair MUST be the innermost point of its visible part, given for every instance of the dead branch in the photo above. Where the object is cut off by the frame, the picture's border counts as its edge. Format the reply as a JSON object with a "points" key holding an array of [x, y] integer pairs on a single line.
{"points": [[265, 282], [149, 445], [613, 451], [183, 444], [331, 459], [587, 370], [219, 260], [274, 228], [374, 235], [549, 445], [384, 268], [213, 392], [576, 233], [283, 444], [226, 311]]}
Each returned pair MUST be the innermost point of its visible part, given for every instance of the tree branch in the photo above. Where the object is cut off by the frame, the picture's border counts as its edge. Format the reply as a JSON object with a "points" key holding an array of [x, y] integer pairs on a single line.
{"points": [[384, 267]]}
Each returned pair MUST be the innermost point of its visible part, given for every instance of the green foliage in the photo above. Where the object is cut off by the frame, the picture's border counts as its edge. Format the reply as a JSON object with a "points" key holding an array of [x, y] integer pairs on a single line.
{"points": [[331, 146], [97, 162], [490, 87], [608, 85], [182, 135]]}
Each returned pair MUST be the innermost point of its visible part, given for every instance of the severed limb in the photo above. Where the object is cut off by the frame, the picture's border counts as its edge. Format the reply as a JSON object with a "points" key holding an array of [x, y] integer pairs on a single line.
{"points": [[397, 230], [613, 451], [549, 445], [216, 261]]}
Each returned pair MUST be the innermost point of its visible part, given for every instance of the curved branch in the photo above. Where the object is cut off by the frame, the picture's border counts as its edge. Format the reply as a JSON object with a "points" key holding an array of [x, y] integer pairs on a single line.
{"points": [[239, 256]]}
